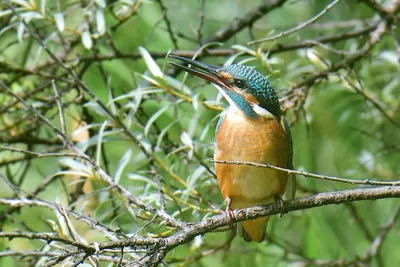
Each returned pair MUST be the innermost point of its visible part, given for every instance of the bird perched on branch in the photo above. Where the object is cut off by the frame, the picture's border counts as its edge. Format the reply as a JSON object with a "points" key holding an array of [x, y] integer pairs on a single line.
{"points": [[252, 130]]}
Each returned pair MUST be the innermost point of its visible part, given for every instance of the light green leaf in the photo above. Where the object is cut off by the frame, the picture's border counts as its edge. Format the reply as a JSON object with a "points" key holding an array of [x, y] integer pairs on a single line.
{"points": [[244, 49], [99, 142], [186, 140], [163, 132], [101, 3], [59, 18], [97, 108], [178, 84], [100, 21], [43, 6], [20, 32], [76, 167], [122, 164], [137, 92], [150, 80], [87, 40], [153, 119], [195, 101], [139, 177], [151, 64]]}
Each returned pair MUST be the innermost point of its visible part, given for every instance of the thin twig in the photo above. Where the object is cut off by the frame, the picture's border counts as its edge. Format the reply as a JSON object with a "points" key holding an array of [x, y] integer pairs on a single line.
{"points": [[308, 174], [298, 27]]}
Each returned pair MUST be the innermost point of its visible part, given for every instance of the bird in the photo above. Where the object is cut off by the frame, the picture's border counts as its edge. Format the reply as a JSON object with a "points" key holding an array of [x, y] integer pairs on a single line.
{"points": [[252, 129]]}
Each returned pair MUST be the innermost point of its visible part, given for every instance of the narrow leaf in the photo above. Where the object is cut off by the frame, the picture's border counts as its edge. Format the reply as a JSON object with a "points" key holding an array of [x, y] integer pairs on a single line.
{"points": [[20, 33], [101, 24], [122, 164], [87, 40], [99, 143], [59, 18], [153, 119], [151, 64], [244, 49]]}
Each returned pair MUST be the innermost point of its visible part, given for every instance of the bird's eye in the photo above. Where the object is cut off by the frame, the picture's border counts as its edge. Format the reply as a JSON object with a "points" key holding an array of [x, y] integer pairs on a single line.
{"points": [[239, 83]]}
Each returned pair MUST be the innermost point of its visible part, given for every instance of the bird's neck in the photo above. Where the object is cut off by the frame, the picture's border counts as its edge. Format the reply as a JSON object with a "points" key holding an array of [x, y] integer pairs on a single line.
{"points": [[239, 103]]}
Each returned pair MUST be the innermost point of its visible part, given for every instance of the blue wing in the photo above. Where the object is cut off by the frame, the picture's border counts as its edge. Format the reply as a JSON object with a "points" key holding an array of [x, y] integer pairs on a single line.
{"points": [[291, 185]]}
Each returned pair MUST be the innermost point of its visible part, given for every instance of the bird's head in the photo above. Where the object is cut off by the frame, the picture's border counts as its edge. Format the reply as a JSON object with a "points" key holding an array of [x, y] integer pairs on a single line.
{"points": [[242, 86]]}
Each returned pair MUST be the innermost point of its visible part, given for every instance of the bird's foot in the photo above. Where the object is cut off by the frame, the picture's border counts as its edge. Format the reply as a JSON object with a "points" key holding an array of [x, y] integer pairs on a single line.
{"points": [[281, 204], [229, 212]]}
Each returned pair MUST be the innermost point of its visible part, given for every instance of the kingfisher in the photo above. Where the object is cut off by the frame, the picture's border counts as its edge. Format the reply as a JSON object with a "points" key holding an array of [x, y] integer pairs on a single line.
{"points": [[253, 129]]}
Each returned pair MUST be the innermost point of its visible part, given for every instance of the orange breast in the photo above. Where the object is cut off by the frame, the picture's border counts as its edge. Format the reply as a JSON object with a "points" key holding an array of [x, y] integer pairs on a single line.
{"points": [[254, 140]]}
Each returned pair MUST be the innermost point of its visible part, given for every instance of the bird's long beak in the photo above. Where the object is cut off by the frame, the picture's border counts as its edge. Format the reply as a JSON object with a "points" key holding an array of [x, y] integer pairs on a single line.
{"points": [[204, 71]]}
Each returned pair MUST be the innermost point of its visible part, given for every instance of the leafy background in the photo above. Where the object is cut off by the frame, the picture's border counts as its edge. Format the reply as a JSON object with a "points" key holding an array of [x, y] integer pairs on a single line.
{"points": [[119, 49]]}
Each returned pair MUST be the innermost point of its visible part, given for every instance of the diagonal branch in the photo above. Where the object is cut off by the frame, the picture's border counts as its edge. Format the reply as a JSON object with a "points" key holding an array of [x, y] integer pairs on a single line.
{"points": [[248, 19]]}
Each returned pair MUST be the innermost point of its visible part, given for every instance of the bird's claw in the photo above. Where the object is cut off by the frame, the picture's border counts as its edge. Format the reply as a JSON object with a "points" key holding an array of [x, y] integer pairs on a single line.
{"points": [[229, 213], [281, 204]]}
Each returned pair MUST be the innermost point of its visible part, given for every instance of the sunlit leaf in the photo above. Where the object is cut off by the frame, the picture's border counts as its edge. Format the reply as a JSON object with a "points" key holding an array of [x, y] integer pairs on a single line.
{"points": [[96, 107], [154, 118], [138, 92], [151, 64], [122, 164], [87, 40], [163, 132], [100, 142], [20, 32], [244, 49], [177, 84], [139, 177], [101, 3], [77, 167], [186, 140], [100, 21], [59, 18], [42, 6]]}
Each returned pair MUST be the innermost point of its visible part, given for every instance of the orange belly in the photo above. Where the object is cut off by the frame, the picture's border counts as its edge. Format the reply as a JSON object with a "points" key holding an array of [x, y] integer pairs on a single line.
{"points": [[253, 140]]}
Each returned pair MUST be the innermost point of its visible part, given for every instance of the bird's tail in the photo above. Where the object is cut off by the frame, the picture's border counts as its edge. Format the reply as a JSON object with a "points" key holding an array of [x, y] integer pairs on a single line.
{"points": [[253, 230]]}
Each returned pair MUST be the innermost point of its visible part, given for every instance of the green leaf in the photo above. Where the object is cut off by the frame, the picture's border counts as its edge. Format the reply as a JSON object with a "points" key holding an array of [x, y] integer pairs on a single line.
{"points": [[178, 84], [163, 132], [138, 92], [122, 164], [59, 18], [87, 40], [153, 119], [76, 167], [151, 64], [101, 3], [244, 49], [99, 142], [101, 24], [20, 32], [142, 178]]}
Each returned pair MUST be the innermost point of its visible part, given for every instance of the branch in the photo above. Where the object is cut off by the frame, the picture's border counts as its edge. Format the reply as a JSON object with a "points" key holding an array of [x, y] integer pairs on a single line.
{"points": [[249, 18], [299, 27], [308, 174]]}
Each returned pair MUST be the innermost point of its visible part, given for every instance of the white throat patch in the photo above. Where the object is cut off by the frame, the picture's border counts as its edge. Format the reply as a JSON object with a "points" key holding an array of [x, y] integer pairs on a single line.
{"points": [[262, 112]]}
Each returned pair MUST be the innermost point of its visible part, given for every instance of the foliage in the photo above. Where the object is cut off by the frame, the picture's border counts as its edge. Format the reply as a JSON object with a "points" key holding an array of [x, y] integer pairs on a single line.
{"points": [[106, 154]]}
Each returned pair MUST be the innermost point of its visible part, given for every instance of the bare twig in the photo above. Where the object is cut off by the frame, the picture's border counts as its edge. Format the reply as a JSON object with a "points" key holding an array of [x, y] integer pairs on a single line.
{"points": [[298, 27], [312, 175]]}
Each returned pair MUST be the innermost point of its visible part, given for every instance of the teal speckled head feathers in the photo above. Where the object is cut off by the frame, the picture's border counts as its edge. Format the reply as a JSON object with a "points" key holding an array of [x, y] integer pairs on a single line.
{"points": [[242, 86]]}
